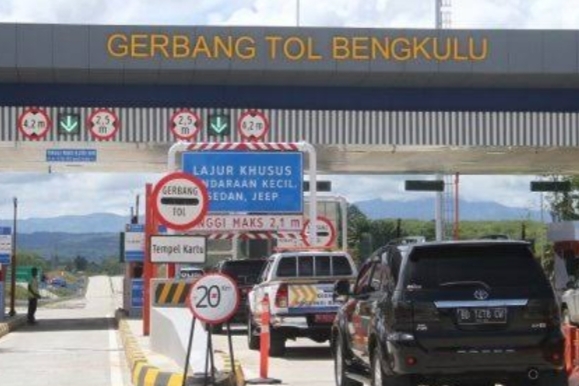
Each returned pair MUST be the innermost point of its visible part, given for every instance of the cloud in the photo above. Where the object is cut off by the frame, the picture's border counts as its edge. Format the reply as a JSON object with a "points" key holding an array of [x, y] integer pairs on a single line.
{"points": [[331, 13]]}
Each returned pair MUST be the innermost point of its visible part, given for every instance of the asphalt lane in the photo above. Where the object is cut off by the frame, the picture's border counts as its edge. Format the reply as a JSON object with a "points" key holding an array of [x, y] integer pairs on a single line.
{"points": [[74, 343], [306, 363]]}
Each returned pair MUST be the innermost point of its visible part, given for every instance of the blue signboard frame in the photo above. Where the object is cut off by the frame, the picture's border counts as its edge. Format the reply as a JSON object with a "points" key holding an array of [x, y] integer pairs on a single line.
{"points": [[5, 257], [71, 155], [254, 182]]}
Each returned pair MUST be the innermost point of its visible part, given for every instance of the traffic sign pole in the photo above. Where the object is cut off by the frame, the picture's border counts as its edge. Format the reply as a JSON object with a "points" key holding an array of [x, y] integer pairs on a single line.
{"points": [[148, 265]]}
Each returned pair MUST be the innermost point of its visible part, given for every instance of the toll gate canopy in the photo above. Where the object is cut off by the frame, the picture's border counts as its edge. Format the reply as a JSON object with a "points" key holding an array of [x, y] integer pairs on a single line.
{"points": [[109, 98]]}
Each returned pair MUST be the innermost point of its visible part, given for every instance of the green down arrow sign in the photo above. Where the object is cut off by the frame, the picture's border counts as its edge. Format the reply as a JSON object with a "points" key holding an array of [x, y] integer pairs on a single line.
{"points": [[68, 123], [219, 125]]}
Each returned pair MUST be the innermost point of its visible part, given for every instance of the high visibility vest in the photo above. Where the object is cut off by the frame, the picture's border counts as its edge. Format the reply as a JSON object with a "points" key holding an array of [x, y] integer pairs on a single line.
{"points": [[33, 288]]}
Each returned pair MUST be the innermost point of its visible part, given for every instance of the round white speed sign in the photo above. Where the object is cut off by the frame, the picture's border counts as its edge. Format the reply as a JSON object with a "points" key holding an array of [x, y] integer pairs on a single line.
{"points": [[214, 298]]}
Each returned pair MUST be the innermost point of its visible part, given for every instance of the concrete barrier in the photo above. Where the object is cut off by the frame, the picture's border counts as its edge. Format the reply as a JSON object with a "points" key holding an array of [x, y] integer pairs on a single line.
{"points": [[170, 329], [11, 324]]}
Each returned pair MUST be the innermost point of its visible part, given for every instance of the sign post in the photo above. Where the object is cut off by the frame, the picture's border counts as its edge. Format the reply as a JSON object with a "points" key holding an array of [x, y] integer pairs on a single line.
{"points": [[103, 124], [34, 123], [213, 299], [180, 201], [253, 125], [185, 124], [325, 232]]}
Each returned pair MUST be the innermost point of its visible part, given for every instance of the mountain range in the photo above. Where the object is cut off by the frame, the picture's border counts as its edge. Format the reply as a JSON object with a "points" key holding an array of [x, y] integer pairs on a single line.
{"points": [[96, 236], [423, 209]]}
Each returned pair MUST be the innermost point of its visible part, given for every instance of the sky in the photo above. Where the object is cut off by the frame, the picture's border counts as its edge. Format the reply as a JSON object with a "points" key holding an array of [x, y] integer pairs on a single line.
{"points": [[48, 195]]}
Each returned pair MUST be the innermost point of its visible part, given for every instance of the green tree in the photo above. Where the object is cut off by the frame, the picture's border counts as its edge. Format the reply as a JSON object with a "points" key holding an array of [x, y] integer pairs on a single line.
{"points": [[564, 206], [80, 263]]}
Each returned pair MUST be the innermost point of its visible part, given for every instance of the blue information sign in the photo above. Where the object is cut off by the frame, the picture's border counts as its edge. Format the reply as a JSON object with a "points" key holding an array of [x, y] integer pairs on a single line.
{"points": [[5, 245], [71, 155], [134, 243], [137, 288], [257, 182]]}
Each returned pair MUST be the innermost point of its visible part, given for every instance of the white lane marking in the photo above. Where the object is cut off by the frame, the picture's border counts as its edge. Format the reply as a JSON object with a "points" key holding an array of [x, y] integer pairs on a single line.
{"points": [[115, 358]]}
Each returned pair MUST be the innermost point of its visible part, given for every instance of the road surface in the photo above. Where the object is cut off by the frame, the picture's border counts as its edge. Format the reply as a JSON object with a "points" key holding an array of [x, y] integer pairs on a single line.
{"points": [[74, 343]]}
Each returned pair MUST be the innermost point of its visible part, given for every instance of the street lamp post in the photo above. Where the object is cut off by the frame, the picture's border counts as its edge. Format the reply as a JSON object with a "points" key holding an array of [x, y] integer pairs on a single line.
{"points": [[13, 267]]}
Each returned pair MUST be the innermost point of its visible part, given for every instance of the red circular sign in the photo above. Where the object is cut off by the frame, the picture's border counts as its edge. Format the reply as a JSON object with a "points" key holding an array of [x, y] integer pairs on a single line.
{"points": [[34, 123], [214, 298], [325, 233], [185, 124], [180, 201], [253, 125], [103, 124]]}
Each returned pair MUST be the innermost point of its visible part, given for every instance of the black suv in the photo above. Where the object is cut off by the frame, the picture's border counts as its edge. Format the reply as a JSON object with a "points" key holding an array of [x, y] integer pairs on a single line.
{"points": [[245, 273], [457, 313]]}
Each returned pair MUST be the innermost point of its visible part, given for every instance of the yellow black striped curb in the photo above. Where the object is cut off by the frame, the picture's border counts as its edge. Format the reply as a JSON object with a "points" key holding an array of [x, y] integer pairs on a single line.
{"points": [[144, 374], [237, 376]]}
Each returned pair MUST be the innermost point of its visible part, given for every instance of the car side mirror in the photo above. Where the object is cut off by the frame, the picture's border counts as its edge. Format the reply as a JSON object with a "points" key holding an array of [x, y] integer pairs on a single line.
{"points": [[342, 288]]}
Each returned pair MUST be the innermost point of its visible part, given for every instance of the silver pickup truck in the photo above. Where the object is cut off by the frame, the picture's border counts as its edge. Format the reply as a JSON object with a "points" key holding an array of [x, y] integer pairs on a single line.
{"points": [[299, 287]]}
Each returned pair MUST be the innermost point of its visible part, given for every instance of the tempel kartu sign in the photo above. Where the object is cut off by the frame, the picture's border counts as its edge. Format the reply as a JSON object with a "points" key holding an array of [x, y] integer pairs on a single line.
{"points": [[257, 182]]}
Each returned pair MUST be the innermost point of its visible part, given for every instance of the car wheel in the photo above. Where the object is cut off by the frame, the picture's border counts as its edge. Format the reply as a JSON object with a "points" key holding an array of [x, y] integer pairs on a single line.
{"points": [[340, 367], [379, 378], [252, 339], [276, 344]]}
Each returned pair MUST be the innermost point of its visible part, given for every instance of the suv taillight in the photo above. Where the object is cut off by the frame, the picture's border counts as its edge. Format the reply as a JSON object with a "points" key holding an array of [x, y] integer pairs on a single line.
{"points": [[281, 296]]}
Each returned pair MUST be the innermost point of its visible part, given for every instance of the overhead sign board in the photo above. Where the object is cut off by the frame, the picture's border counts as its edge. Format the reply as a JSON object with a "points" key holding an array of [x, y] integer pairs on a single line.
{"points": [[68, 123], [255, 223], [256, 182], [135, 243], [71, 155], [5, 245], [424, 185], [180, 201], [178, 249], [214, 298], [550, 186]]}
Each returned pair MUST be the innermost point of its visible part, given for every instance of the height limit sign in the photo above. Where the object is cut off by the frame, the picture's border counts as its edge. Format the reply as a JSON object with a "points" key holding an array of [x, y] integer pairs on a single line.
{"points": [[103, 124], [180, 201]]}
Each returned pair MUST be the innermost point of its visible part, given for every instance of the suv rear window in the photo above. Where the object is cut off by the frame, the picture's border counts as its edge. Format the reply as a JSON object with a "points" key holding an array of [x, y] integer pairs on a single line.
{"points": [[243, 271], [496, 265], [310, 266]]}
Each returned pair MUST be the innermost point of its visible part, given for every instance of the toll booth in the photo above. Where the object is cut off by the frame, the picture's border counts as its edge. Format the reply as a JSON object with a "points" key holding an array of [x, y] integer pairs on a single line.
{"points": [[133, 255]]}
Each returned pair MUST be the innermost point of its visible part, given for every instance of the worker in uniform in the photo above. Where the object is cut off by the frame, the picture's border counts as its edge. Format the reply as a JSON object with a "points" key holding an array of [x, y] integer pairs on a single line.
{"points": [[33, 296]]}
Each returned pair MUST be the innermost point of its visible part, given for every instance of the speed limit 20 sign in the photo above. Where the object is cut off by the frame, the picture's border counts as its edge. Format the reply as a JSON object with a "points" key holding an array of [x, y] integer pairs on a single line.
{"points": [[214, 298]]}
